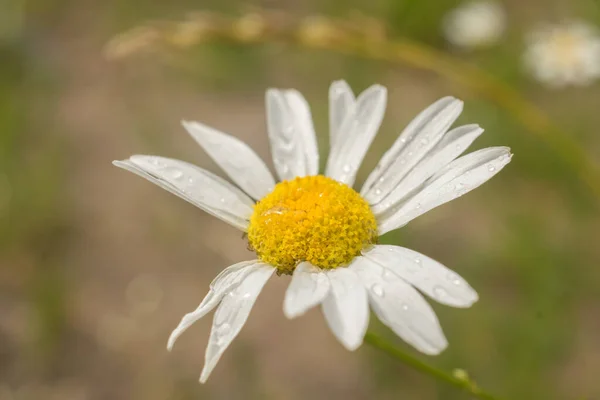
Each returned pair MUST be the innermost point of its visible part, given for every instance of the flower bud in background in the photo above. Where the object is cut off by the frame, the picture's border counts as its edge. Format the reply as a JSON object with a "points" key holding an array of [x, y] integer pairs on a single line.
{"points": [[566, 54], [475, 24]]}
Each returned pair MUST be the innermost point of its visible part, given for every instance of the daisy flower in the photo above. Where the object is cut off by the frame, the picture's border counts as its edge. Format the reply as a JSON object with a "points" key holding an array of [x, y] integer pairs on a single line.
{"points": [[567, 54], [318, 229], [475, 24]]}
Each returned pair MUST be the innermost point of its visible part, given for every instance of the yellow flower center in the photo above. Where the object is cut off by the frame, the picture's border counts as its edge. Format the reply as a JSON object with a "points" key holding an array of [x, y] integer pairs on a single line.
{"points": [[314, 219]]}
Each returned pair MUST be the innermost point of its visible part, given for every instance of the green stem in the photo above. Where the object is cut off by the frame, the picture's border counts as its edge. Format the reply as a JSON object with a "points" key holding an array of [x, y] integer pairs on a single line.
{"points": [[464, 382]]}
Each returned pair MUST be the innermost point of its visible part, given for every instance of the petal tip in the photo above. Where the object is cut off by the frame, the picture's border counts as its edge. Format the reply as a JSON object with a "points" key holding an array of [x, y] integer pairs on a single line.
{"points": [[171, 341], [352, 346], [291, 314], [203, 377]]}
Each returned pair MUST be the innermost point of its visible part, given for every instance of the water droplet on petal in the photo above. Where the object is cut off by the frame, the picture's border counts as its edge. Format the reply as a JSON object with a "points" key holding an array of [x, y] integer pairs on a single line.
{"points": [[378, 191], [388, 275], [377, 290], [190, 180], [418, 261], [224, 329], [424, 141], [439, 292], [288, 129], [491, 168], [418, 206], [347, 168], [405, 306], [402, 161], [455, 279], [177, 174]]}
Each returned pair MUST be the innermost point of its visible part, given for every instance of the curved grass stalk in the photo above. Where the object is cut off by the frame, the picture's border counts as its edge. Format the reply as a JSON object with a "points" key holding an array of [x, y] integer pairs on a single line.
{"points": [[360, 38]]}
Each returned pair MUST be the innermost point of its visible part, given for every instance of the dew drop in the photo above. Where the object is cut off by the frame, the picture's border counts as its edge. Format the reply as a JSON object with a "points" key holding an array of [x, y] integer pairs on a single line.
{"points": [[224, 328], [377, 290], [418, 261], [190, 180], [154, 161], [410, 153], [247, 295], [458, 147], [453, 278], [459, 186], [424, 141], [439, 292], [377, 192], [388, 275], [418, 206], [402, 161], [491, 168], [222, 200], [405, 306], [347, 168], [381, 179], [403, 140], [177, 174]]}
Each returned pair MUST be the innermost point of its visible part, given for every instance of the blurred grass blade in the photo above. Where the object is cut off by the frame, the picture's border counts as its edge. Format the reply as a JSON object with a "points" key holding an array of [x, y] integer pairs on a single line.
{"points": [[364, 38]]}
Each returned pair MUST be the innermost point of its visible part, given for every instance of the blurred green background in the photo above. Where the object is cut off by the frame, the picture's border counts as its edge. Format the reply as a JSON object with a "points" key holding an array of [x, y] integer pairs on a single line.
{"points": [[98, 266]]}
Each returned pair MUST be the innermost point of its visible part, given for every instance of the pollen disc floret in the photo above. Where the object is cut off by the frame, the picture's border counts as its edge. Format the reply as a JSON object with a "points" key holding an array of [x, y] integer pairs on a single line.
{"points": [[314, 219]]}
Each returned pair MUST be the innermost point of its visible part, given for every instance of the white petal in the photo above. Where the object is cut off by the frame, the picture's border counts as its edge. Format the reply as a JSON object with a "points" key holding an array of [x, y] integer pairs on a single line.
{"points": [[419, 137], [292, 134], [308, 288], [459, 177], [341, 103], [426, 274], [195, 185], [346, 308], [400, 307], [235, 157], [359, 129], [451, 146], [232, 314], [227, 280]]}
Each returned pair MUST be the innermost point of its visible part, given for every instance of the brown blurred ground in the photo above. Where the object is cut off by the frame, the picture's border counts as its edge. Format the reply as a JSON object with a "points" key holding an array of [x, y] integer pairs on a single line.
{"points": [[101, 272]]}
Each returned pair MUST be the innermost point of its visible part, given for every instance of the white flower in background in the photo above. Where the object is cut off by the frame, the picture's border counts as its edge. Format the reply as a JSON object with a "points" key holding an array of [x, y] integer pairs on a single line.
{"points": [[322, 232], [475, 24], [567, 54]]}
